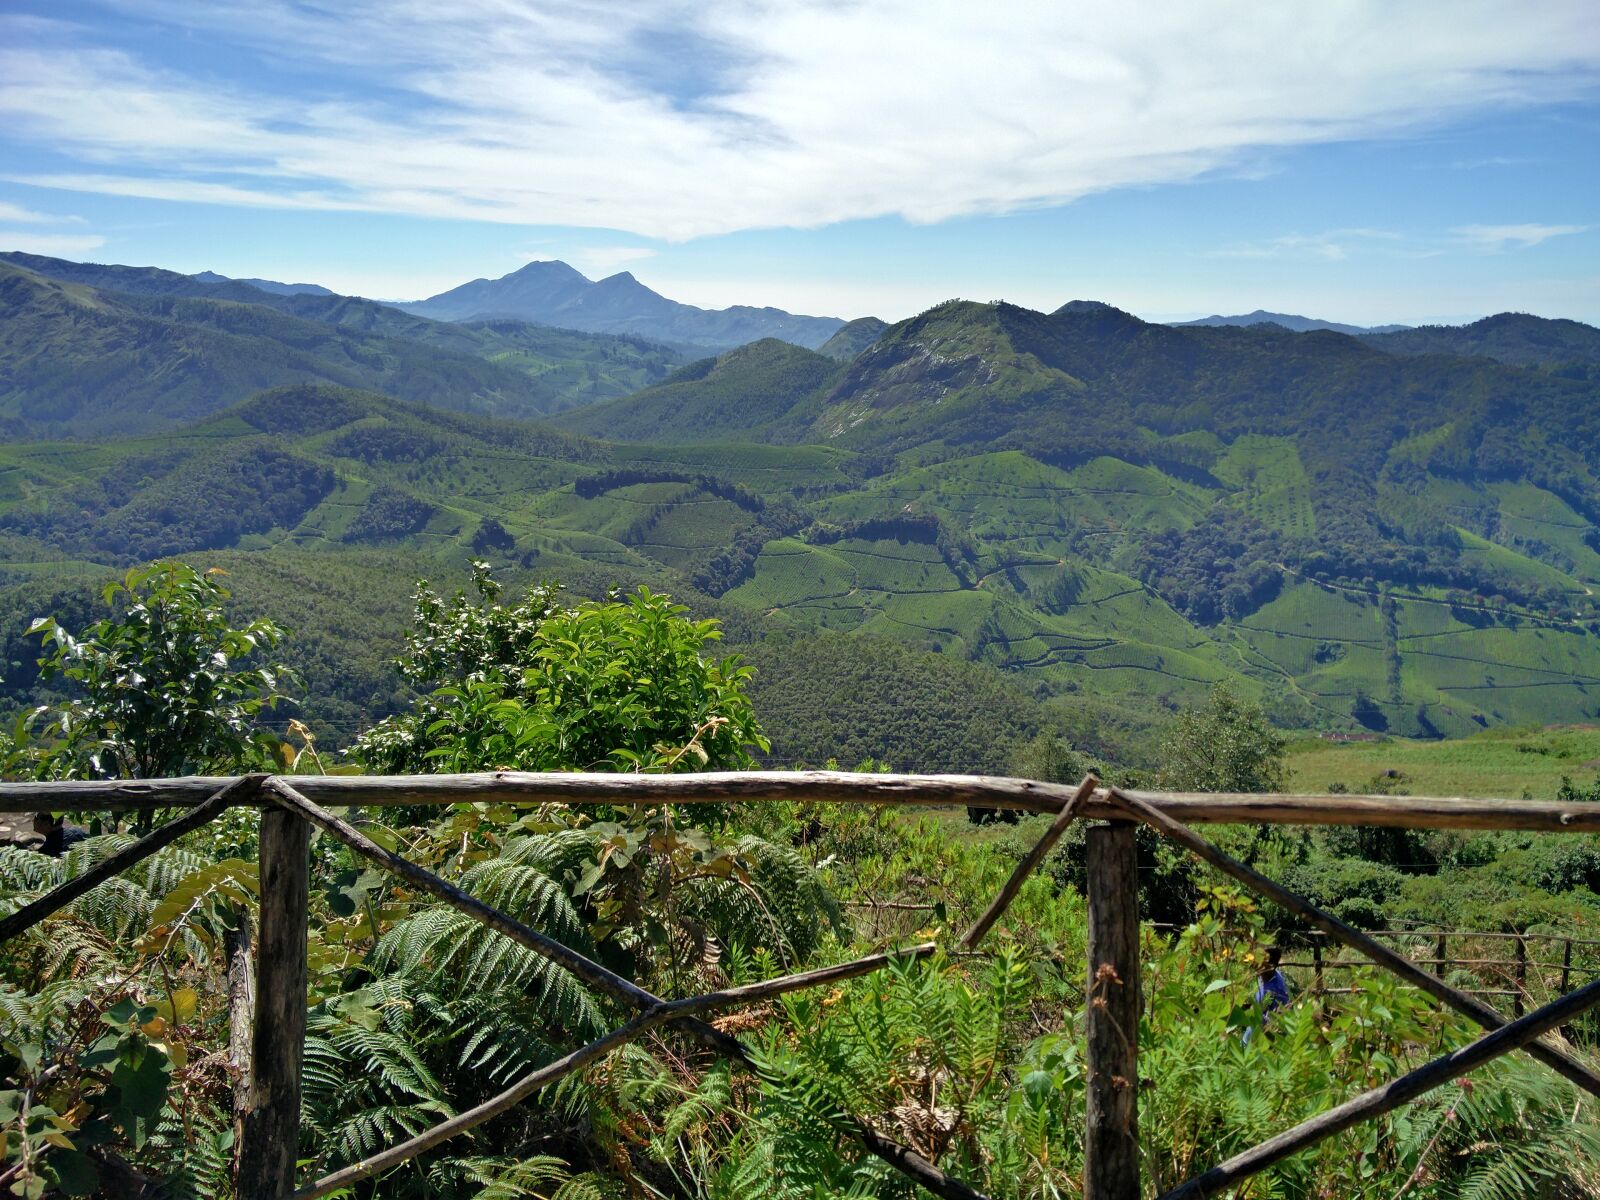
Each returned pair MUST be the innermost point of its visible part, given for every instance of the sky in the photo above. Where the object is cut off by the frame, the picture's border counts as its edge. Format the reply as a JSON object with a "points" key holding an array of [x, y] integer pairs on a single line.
{"points": [[1391, 161]]}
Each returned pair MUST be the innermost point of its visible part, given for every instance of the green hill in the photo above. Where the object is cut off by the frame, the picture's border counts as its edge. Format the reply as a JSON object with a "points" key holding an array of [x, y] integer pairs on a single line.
{"points": [[1113, 515], [1515, 338], [80, 359], [852, 338], [753, 390]]}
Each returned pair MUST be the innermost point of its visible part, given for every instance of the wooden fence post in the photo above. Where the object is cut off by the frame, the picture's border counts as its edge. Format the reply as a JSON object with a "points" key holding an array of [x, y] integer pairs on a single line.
{"points": [[1522, 976], [1439, 956], [1111, 1136], [1316, 961], [271, 1127], [241, 1017]]}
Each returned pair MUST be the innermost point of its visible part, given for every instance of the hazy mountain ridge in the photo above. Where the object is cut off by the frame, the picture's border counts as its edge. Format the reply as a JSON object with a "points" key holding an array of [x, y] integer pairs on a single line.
{"points": [[853, 337], [88, 350], [1290, 321], [553, 293], [267, 285], [1519, 339]]}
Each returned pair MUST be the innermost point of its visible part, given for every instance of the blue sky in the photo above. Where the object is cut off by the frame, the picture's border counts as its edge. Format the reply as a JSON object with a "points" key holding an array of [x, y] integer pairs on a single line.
{"points": [[1366, 162]]}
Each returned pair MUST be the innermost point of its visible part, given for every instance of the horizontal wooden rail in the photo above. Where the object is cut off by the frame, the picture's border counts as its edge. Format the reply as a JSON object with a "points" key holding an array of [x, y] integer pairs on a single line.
{"points": [[1333, 964], [843, 787], [1427, 933]]}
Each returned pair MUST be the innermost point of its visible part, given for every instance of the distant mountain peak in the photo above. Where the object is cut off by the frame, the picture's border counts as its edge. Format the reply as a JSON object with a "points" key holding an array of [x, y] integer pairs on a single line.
{"points": [[550, 292], [1085, 306], [543, 266], [1518, 339]]}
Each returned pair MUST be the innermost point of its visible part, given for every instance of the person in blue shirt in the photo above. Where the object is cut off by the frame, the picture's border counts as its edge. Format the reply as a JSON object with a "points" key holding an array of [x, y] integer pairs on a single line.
{"points": [[1272, 988]]}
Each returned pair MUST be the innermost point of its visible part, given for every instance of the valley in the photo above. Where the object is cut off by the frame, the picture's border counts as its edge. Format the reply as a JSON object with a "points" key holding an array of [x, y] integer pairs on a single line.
{"points": [[1101, 514]]}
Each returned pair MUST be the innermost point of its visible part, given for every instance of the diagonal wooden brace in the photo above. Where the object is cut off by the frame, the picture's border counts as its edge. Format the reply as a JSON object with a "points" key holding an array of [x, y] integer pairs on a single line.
{"points": [[281, 793], [1519, 1034], [240, 791], [1375, 950], [544, 1076], [1008, 893]]}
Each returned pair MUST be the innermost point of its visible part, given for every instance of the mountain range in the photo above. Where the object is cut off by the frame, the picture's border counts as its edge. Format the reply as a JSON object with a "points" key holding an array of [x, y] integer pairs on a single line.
{"points": [[267, 285], [552, 293], [89, 350], [1392, 531], [1291, 322]]}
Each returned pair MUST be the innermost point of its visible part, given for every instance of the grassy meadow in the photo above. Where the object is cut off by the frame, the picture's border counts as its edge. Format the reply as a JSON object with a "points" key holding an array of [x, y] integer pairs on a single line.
{"points": [[1497, 763]]}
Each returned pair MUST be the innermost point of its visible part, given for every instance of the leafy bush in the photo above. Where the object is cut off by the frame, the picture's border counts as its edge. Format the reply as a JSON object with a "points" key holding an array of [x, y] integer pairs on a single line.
{"points": [[612, 685], [161, 688]]}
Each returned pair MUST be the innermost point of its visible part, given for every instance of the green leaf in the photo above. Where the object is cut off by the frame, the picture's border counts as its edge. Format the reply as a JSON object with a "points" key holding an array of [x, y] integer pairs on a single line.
{"points": [[76, 1174], [232, 879], [138, 1094]]}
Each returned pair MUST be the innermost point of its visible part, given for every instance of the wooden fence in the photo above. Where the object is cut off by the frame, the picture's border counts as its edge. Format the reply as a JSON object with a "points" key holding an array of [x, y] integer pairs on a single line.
{"points": [[292, 806]]}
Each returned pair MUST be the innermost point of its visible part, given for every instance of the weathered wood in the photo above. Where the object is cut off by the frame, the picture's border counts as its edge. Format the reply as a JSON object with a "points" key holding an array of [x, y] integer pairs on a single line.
{"points": [[1518, 1034], [1029, 864], [1518, 1003], [657, 1014], [289, 798], [1442, 953], [241, 1017], [1354, 938], [222, 798], [912, 1165], [1402, 812], [1566, 981], [1111, 1137], [596, 976], [271, 1129], [937, 791]]}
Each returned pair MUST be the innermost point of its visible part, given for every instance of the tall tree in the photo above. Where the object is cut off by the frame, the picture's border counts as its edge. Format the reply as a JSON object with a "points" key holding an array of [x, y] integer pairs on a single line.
{"points": [[1223, 745]]}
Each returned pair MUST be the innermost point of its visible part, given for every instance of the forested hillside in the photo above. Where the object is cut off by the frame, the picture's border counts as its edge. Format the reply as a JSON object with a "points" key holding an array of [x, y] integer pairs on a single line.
{"points": [[1103, 508], [1567, 347], [90, 352]]}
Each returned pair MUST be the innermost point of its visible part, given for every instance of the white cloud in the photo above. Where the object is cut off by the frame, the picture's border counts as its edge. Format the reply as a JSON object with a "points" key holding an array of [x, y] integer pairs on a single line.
{"points": [[55, 245], [672, 119], [1511, 237], [1332, 245], [17, 215]]}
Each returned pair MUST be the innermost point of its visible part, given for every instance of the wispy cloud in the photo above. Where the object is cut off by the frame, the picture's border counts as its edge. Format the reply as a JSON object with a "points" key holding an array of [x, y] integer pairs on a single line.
{"points": [[1493, 160], [1511, 237], [17, 215], [798, 114], [1332, 245], [31, 241]]}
